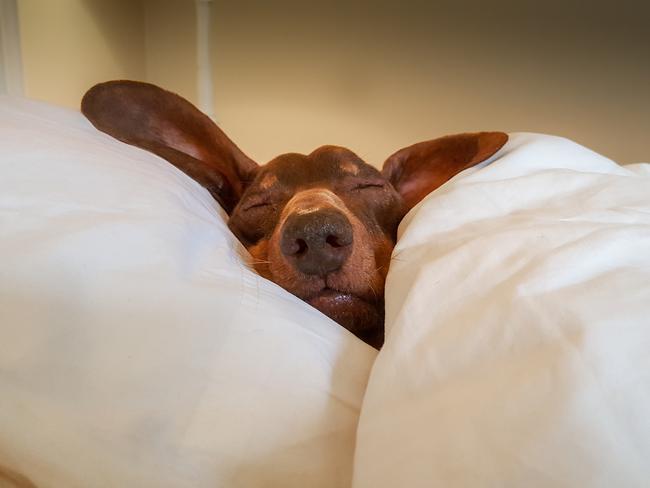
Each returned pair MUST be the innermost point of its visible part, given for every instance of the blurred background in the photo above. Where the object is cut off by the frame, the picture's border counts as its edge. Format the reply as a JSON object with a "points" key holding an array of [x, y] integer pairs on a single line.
{"points": [[374, 76]]}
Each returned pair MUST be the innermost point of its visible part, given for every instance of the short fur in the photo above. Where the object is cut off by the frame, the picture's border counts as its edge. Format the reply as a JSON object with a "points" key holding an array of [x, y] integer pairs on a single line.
{"points": [[332, 184]]}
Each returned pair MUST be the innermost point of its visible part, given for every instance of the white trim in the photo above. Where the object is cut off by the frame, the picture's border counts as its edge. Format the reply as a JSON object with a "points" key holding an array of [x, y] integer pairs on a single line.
{"points": [[11, 66], [204, 82]]}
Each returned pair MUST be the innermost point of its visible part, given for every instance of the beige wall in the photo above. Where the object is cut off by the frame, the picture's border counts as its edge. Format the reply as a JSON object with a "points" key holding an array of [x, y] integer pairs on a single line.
{"points": [[376, 76], [170, 45], [69, 45]]}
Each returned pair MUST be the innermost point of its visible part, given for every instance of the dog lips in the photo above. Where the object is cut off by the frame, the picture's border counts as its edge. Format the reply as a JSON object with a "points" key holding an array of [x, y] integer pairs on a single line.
{"points": [[345, 309]]}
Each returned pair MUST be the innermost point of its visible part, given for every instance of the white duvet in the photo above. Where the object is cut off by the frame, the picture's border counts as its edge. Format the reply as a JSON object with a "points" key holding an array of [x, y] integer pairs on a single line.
{"points": [[518, 312], [137, 349]]}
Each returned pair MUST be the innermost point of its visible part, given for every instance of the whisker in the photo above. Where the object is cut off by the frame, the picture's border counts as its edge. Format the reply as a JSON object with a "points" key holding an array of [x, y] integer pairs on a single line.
{"points": [[374, 292]]}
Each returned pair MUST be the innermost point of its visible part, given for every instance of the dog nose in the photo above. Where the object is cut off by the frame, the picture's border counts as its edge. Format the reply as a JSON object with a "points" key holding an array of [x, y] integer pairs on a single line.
{"points": [[317, 242]]}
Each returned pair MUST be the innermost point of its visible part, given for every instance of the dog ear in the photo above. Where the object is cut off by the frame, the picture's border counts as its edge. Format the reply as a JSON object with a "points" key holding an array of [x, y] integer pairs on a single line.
{"points": [[166, 124], [417, 170]]}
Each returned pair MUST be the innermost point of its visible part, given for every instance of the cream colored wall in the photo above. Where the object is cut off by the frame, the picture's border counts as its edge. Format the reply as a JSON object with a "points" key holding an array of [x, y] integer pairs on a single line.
{"points": [[170, 45], [69, 45], [376, 76]]}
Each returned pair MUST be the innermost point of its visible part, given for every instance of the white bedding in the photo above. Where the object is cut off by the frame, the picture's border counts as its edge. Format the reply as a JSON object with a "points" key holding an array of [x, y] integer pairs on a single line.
{"points": [[518, 312], [136, 348]]}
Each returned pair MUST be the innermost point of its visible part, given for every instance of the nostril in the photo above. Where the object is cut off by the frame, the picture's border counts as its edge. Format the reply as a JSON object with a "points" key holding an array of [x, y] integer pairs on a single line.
{"points": [[334, 241], [295, 247], [301, 247]]}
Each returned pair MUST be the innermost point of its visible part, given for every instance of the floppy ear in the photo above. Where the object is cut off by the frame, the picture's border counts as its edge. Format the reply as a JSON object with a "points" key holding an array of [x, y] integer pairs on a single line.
{"points": [[162, 122], [417, 170]]}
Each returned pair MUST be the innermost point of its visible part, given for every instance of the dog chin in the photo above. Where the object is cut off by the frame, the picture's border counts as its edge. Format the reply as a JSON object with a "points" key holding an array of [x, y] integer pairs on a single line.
{"points": [[362, 318]]}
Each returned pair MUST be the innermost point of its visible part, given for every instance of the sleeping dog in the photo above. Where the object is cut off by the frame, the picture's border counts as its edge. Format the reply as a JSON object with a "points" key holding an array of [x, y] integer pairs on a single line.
{"points": [[321, 225]]}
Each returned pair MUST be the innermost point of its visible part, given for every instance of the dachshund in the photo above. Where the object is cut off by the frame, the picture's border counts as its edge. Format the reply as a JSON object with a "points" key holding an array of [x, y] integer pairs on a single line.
{"points": [[320, 225]]}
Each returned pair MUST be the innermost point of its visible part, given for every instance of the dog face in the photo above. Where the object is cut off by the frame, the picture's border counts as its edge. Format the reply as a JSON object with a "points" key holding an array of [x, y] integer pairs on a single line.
{"points": [[321, 225]]}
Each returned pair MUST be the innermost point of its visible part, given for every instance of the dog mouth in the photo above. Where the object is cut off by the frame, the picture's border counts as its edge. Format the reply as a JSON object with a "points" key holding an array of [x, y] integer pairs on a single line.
{"points": [[335, 298], [351, 311]]}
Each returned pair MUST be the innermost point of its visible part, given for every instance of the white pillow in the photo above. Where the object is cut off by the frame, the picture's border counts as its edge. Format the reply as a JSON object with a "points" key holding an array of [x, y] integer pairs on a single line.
{"points": [[518, 330], [136, 348]]}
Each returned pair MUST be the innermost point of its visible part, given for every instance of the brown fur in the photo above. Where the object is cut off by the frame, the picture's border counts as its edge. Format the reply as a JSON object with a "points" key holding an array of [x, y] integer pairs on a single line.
{"points": [[12, 479], [259, 199]]}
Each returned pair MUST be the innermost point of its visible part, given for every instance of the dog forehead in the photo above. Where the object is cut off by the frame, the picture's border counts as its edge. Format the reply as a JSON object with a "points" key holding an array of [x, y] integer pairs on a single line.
{"points": [[327, 163]]}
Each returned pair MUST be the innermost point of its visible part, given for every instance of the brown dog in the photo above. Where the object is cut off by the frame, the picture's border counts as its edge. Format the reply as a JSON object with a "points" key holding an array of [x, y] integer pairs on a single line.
{"points": [[12, 479], [321, 225]]}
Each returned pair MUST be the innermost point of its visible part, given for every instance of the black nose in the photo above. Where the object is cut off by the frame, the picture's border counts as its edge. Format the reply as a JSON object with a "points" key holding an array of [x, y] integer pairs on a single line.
{"points": [[317, 242]]}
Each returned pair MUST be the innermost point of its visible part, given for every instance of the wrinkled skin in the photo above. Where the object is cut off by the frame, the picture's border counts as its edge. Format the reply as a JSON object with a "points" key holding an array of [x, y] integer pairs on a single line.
{"points": [[330, 177]]}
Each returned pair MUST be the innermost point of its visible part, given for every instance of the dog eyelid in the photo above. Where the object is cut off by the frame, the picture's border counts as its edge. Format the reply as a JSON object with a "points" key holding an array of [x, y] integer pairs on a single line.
{"points": [[254, 204], [256, 200], [362, 185]]}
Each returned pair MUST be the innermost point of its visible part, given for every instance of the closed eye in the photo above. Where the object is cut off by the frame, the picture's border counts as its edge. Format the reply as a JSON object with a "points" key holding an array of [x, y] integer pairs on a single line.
{"points": [[251, 206], [366, 185]]}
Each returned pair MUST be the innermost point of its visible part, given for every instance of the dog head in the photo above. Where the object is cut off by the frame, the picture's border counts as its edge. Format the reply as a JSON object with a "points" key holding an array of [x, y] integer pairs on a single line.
{"points": [[321, 225]]}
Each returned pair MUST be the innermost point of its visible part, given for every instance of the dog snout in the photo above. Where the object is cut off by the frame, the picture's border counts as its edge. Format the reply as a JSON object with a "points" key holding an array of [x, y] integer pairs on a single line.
{"points": [[317, 242]]}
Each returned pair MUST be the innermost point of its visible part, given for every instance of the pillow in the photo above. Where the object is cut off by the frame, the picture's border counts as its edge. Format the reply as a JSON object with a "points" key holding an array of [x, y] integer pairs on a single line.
{"points": [[136, 346], [518, 329]]}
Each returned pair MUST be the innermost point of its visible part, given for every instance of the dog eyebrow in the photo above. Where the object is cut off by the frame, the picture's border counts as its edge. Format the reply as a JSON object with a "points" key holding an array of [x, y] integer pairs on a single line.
{"points": [[349, 167], [268, 181]]}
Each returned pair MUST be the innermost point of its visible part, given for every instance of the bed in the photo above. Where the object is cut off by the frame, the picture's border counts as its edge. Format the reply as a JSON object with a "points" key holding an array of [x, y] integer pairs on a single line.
{"points": [[138, 347]]}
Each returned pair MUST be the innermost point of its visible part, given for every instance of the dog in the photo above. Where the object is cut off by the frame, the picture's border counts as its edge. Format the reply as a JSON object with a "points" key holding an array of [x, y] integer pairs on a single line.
{"points": [[321, 225], [13, 479]]}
